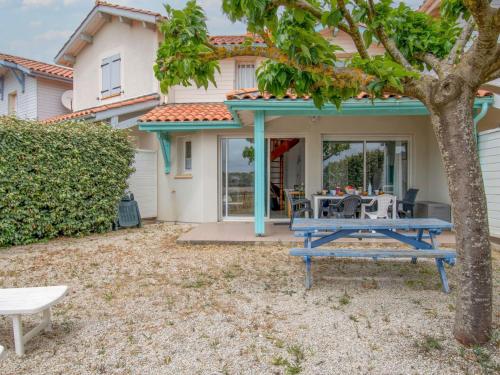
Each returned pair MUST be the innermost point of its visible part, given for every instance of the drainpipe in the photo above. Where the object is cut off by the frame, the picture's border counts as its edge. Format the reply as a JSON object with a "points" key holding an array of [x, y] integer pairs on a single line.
{"points": [[477, 118]]}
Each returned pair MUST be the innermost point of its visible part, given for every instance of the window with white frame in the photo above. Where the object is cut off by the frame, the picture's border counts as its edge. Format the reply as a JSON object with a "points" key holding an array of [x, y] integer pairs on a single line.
{"points": [[111, 76], [185, 153], [245, 75]]}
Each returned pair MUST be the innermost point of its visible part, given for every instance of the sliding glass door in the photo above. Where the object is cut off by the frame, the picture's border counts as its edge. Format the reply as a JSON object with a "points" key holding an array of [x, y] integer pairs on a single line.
{"points": [[237, 177], [342, 164], [379, 165]]}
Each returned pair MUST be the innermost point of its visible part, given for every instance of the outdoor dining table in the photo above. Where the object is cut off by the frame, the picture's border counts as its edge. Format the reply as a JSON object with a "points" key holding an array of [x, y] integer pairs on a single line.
{"points": [[319, 198], [318, 232]]}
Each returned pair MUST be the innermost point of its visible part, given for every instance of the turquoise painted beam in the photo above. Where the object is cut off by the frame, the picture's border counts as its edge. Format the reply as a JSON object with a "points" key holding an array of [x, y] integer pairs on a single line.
{"points": [[187, 126], [352, 107], [260, 174], [164, 139]]}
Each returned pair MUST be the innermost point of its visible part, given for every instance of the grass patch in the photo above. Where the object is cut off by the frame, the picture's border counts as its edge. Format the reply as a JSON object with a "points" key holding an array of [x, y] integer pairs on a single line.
{"points": [[415, 284], [293, 366], [345, 299], [429, 344], [202, 281]]}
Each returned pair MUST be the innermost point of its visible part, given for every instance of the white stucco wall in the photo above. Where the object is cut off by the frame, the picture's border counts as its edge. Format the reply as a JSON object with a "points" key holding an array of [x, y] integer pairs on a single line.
{"points": [[137, 48], [26, 102], [49, 93], [226, 82], [196, 199]]}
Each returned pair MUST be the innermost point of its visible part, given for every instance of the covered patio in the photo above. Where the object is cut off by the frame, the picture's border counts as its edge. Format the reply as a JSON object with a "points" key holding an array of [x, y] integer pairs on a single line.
{"points": [[237, 145], [263, 108]]}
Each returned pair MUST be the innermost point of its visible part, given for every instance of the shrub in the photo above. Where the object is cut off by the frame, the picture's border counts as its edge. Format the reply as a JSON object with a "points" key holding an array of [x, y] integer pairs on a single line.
{"points": [[60, 179]]}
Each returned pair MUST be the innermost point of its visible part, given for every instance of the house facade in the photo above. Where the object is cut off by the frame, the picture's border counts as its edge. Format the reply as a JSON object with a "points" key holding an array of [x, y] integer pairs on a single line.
{"points": [[229, 152], [32, 89]]}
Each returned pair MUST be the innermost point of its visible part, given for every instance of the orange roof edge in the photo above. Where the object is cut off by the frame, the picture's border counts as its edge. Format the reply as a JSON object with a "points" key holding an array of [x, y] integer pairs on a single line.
{"points": [[254, 93], [39, 67], [188, 112], [91, 112]]}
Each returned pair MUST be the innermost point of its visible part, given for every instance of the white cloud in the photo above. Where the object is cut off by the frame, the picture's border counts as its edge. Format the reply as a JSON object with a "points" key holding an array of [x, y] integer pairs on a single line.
{"points": [[52, 35], [37, 3], [36, 23]]}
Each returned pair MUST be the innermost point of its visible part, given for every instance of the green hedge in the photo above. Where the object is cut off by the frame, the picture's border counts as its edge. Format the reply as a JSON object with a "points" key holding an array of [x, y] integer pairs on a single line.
{"points": [[60, 179]]}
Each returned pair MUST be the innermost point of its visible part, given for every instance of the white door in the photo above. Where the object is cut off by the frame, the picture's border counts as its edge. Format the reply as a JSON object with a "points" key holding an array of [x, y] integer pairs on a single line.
{"points": [[143, 182], [489, 153]]}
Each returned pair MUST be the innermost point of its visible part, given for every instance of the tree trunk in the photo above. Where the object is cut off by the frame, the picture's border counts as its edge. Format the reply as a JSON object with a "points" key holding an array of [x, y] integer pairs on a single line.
{"points": [[452, 118]]}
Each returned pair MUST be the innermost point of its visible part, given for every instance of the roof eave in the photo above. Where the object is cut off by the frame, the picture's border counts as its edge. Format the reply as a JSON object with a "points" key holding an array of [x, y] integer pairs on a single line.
{"points": [[351, 107], [104, 9], [183, 126]]}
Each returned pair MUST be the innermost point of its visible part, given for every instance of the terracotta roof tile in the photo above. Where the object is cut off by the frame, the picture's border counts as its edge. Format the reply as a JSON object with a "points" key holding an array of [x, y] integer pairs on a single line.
{"points": [[137, 10], [253, 94], [39, 67], [218, 40], [188, 112], [91, 111]]}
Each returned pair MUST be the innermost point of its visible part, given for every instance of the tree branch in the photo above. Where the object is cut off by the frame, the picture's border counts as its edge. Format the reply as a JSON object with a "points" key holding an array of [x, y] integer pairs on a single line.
{"points": [[300, 4], [433, 62], [353, 30], [482, 12], [493, 76], [462, 40], [388, 43], [315, 12]]}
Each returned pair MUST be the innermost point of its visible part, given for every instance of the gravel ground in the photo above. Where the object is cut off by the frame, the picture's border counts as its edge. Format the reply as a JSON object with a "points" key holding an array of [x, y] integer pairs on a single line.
{"points": [[141, 304]]}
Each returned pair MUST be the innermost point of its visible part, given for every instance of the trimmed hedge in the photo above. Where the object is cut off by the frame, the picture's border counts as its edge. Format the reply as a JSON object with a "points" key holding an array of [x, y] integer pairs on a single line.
{"points": [[61, 179]]}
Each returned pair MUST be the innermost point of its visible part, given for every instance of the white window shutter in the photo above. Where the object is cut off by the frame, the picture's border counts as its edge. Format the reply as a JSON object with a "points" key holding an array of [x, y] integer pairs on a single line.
{"points": [[116, 85], [106, 77]]}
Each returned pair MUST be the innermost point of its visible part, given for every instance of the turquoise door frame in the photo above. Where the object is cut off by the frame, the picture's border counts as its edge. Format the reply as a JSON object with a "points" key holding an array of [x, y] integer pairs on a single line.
{"points": [[260, 173]]}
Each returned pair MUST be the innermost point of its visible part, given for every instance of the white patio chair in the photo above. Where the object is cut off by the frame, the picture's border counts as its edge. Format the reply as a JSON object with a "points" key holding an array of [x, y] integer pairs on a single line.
{"points": [[384, 202], [15, 302], [1, 352]]}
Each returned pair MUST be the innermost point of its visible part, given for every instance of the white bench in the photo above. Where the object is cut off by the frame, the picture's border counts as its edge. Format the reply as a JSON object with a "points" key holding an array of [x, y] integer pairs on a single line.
{"points": [[15, 302]]}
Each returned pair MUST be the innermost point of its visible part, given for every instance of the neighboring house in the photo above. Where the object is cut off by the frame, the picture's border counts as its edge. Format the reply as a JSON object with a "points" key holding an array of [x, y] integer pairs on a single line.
{"points": [[32, 89], [227, 153]]}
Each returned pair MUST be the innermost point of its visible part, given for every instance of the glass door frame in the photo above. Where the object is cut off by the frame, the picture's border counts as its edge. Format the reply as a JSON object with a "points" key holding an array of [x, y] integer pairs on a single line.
{"points": [[220, 190], [409, 138]]}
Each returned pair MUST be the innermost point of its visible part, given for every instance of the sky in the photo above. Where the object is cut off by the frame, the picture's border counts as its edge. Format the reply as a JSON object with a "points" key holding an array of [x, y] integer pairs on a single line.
{"points": [[37, 29]]}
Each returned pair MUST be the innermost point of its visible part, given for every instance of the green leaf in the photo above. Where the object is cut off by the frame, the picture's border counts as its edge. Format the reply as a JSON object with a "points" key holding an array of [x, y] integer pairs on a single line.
{"points": [[367, 38]]}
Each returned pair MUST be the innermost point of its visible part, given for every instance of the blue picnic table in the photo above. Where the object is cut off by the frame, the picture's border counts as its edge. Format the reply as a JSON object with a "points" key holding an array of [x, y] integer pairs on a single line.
{"points": [[318, 232]]}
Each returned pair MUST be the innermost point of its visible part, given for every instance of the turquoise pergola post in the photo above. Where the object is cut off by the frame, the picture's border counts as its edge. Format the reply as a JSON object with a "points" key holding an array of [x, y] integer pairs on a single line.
{"points": [[260, 173]]}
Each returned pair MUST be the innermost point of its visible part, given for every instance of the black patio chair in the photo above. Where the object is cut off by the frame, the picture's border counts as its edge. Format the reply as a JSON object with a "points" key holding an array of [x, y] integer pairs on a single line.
{"points": [[408, 203], [347, 208], [298, 206]]}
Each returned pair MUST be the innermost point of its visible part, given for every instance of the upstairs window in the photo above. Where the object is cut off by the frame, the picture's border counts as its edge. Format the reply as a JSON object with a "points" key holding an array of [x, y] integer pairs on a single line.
{"points": [[12, 104], [245, 75], [111, 76]]}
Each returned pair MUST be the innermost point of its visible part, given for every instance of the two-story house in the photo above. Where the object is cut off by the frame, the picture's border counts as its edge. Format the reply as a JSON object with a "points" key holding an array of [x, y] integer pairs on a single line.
{"points": [[228, 153], [32, 89]]}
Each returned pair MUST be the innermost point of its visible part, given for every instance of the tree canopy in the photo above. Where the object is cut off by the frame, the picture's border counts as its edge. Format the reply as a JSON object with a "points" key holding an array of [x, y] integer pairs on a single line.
{"points": [[418, 47]]}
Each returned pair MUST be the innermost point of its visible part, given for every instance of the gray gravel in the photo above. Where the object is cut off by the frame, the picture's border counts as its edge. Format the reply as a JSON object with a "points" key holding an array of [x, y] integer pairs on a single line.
{"points": [[141, 304]]}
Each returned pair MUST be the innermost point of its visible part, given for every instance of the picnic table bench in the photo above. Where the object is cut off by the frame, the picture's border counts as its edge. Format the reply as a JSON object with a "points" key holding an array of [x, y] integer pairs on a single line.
{"points": [[318, 232]]}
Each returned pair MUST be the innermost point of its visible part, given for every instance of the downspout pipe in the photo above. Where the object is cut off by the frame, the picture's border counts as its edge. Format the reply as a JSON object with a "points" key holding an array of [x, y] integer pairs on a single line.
{"points": [[479, 117]]}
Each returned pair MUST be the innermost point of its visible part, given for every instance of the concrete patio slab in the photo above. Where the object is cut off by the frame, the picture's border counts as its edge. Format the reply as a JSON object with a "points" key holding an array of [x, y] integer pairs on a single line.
{"points": [[243, 233]]}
